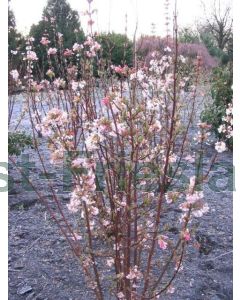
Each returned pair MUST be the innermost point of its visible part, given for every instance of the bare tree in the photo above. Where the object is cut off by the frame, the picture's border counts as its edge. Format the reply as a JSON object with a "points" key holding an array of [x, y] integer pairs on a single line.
{"points": [[219, 23]]}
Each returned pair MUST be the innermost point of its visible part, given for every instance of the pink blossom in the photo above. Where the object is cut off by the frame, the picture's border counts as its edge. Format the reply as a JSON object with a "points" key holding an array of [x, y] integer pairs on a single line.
{"points": [[204, 126], [118, 69], [76, 236], [31, 55], [192, 184], [78, 162], [90, 22], [200, 210], [59, 83], [52, 51], [178, 266], [186, 235], [171, 197], [220, 147], [89, 41], [76, 85], [121, 296], [229, 110], [90, 54], [110, 262], [140, 75], [134, 273], [37, 87], [14, 74], [190, 158], [106, 223], [60, 35], [94, 211], [97, 46], [121, 128], [195, 201], [44, 41], [170, 290], [50, 73], [167, 49], [68, 52], [77, 47], [156, 126], [162, 243], [173, 158], [75, 202], [90, 181], [192, 198], [106, 101], [92, 142], [57, 156]]}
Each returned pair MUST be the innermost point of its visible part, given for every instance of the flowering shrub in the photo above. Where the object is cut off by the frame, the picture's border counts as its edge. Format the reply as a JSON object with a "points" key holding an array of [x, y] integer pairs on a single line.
{"points": [[193, 50], [148, 44], [131, 128]]}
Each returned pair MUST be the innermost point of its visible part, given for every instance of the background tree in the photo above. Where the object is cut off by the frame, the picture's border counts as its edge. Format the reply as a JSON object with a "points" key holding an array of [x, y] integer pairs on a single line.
{"points": [[146, 45], [16, 44], [117, 48], [216, 32], [217, 35], [58, 17], [15, 39], [220, 24], [188, 35]]}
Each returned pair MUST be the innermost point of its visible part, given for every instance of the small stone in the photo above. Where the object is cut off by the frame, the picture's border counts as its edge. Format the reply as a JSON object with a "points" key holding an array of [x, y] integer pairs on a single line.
{"points": [[40, 297], [24, 290], [18, 266], [215, 297], [65, 197], [13, 192], [30, 296], [174, 230]]}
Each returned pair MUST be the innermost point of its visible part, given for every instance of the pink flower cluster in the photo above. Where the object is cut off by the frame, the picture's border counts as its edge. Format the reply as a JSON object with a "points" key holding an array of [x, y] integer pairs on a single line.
{"points": [[31, 56], [54, 119], [162, 242], [14, 74], [45, 41], [77, 47], [52, 51], [93, 47], [120, 70], [195, 203], [227, 127], [134, 273]]}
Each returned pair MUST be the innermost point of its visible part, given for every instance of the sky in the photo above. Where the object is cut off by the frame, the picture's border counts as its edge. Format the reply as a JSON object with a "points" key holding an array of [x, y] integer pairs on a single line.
{"points": [[112, 14]]}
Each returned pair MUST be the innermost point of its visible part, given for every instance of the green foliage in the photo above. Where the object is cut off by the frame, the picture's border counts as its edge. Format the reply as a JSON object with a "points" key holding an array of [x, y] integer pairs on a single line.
{"points": [[17, 142], [11, 18], [188, 35], [221, 92], [66, 21], [204, 35], [116, 48], [209, 41], [15, 42], [222, 86]]}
